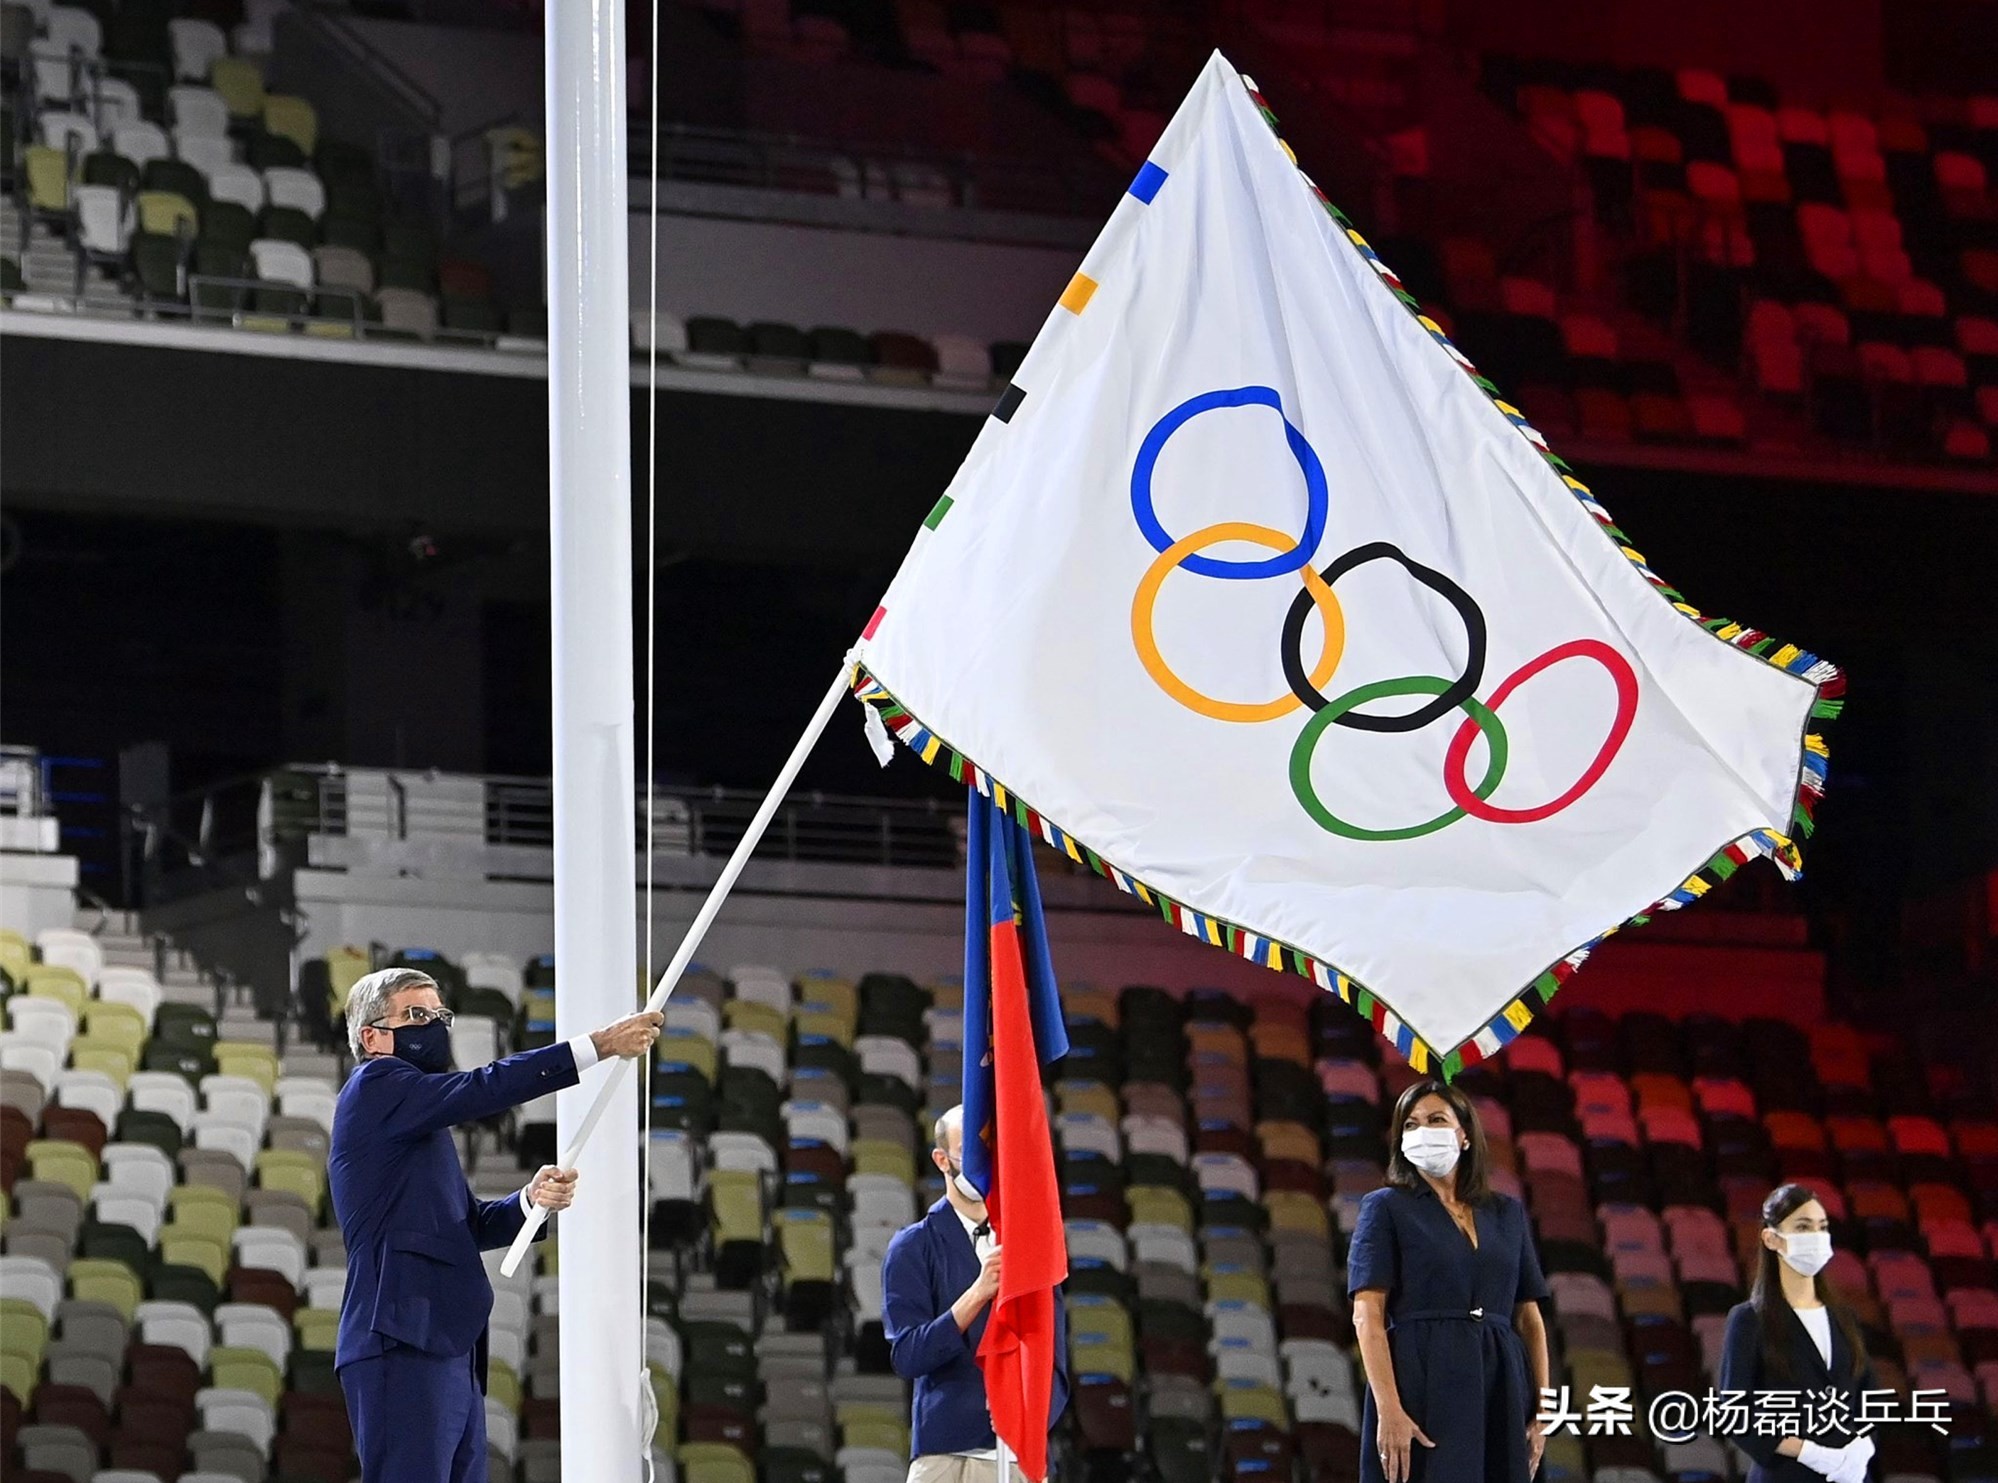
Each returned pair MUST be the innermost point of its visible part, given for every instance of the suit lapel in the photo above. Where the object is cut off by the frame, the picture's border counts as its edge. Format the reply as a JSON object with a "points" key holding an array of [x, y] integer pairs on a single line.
{"points": [[1807, 1347], [960, 1262]]}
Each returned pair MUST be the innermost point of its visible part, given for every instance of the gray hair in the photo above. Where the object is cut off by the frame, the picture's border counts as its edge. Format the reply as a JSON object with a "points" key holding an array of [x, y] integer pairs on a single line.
{"points": [[941, 1131], [369, 999]]}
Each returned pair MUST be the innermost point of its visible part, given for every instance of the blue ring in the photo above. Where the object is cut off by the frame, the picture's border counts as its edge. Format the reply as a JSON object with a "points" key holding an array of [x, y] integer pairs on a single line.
{"points": [[1318, 499]]}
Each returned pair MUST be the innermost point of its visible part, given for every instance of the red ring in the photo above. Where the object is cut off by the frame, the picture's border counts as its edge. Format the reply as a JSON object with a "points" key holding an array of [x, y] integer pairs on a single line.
{"points": [[1625, 680]]}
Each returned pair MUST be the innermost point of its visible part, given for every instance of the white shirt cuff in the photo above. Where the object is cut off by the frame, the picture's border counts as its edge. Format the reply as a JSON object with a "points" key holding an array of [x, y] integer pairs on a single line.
{"points": [[525, 1208]]}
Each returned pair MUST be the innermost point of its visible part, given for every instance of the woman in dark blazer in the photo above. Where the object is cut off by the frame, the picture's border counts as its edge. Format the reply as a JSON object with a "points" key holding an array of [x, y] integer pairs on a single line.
{"points": [[1446, 1288], [1793, 1335]]}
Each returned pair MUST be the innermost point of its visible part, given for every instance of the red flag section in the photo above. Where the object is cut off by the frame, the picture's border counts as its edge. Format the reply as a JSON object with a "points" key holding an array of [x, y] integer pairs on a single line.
{"points": [[1024, 1203]]}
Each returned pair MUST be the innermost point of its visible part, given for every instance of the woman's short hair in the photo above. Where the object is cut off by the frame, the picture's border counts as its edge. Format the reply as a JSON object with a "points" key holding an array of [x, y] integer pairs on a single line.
{"points": [[1474, 1184]]}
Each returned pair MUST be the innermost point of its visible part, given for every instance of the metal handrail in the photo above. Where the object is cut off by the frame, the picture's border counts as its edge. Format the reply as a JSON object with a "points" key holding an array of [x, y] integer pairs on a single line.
{"points": [[870, 170], [270, 810], [360, 325]]}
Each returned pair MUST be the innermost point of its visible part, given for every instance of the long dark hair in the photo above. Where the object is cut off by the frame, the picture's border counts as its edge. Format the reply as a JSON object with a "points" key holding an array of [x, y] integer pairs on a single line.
{"points": [[1474, 1184], [1772, 1307]]}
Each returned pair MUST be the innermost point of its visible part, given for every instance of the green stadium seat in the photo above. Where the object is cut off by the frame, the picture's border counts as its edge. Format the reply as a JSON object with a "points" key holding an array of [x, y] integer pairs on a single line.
{"points": [[407, 273], [176, 178], [348, 164], [55, 981], [105, 168], [293, 118], [776, 347], [272, 152], [116, 1243], [230, 225], [471, 316], [107, 1281], [193, 1282], [185, 1025], [239, 1368], [140, 35], [714, 1462], [219, 260], [155, 1128], [191, 1061], [289, 224], [47, 173], [240, 81], [835, 346]]}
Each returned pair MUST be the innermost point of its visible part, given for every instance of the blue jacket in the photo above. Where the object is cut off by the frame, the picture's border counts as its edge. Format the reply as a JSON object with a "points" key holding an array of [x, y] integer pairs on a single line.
{"points": [[412, 1229], [928, 1267], [1742, 1369]]}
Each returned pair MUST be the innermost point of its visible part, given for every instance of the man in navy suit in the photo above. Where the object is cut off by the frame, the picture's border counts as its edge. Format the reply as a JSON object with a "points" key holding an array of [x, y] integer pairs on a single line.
{"points": [[938, 1280], [411, 1352]]}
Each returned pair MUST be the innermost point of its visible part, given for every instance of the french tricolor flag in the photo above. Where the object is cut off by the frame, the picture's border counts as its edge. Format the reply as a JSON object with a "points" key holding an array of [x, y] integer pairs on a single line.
{"points": [[1012, 1028]]}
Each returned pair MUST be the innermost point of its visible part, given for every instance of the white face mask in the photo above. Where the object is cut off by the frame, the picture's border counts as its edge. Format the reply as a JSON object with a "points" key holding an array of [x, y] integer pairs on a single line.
{"points": [[1806, 1252], [964, 1186], [1434, 1151]]}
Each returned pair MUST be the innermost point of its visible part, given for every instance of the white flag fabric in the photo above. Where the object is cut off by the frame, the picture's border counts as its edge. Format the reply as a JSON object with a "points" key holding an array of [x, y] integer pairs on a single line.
{"points": [[1253, 595]]}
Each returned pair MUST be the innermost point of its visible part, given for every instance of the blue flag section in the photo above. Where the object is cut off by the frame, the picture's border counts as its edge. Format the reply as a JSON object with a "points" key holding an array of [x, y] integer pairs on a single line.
{"points": [[1001, 896], [1012, 1029]]}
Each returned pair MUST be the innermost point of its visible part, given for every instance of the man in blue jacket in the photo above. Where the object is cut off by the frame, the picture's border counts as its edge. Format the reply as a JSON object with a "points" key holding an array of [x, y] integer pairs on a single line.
{"points": [[411, 1351], [938, 1280]]}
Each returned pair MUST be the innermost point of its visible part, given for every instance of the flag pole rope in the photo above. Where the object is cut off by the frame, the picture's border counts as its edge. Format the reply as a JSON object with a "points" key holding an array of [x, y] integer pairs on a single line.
{"points": [[698, 929], [648, 1404]]}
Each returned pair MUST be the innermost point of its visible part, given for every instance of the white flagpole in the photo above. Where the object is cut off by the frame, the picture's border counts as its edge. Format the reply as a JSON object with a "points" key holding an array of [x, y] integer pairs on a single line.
{"points": [[1003, 1473], [572, 1149], [590, 519]]}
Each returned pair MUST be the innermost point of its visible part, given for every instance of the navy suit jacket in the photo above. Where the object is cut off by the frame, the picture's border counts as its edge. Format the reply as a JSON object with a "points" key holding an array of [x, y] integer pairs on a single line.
{"points": [[928, 1267], [1742, 1369], [412, 1228]]}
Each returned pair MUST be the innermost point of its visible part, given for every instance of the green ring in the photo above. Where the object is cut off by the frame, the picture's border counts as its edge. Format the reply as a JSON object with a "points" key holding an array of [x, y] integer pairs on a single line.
{"points": [[1307, 744]]}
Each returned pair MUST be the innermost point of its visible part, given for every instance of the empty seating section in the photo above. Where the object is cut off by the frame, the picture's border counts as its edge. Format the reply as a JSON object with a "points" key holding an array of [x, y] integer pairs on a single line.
{"points": [[172, 1277], [1578, 366], [169, 1284], [156, 151], [1846, 257], [152, 146], [1774, 271], [1574, 367], [826, 353], [1112, 73]]}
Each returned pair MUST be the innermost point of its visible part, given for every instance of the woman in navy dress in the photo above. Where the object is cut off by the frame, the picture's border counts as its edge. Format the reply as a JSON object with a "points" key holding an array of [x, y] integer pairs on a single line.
{"points": [[1794, 1335], [1446, 1289]]}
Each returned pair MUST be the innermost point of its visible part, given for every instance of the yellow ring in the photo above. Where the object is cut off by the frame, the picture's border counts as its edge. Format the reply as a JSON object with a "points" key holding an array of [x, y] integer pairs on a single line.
{"points": [[1146, 600]]}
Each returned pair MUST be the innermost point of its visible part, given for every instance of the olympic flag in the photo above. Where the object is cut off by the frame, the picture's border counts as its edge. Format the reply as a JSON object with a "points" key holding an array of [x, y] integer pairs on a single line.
{"points": [[1256, 598]]}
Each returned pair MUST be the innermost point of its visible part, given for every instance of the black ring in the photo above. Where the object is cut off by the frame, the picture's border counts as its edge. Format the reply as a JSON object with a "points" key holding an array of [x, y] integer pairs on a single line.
{"points": [[1471, 615]]}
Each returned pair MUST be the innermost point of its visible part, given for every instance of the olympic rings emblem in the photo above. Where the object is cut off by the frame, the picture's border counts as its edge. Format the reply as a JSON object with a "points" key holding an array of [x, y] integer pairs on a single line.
{"points": [[1316, 593]]}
